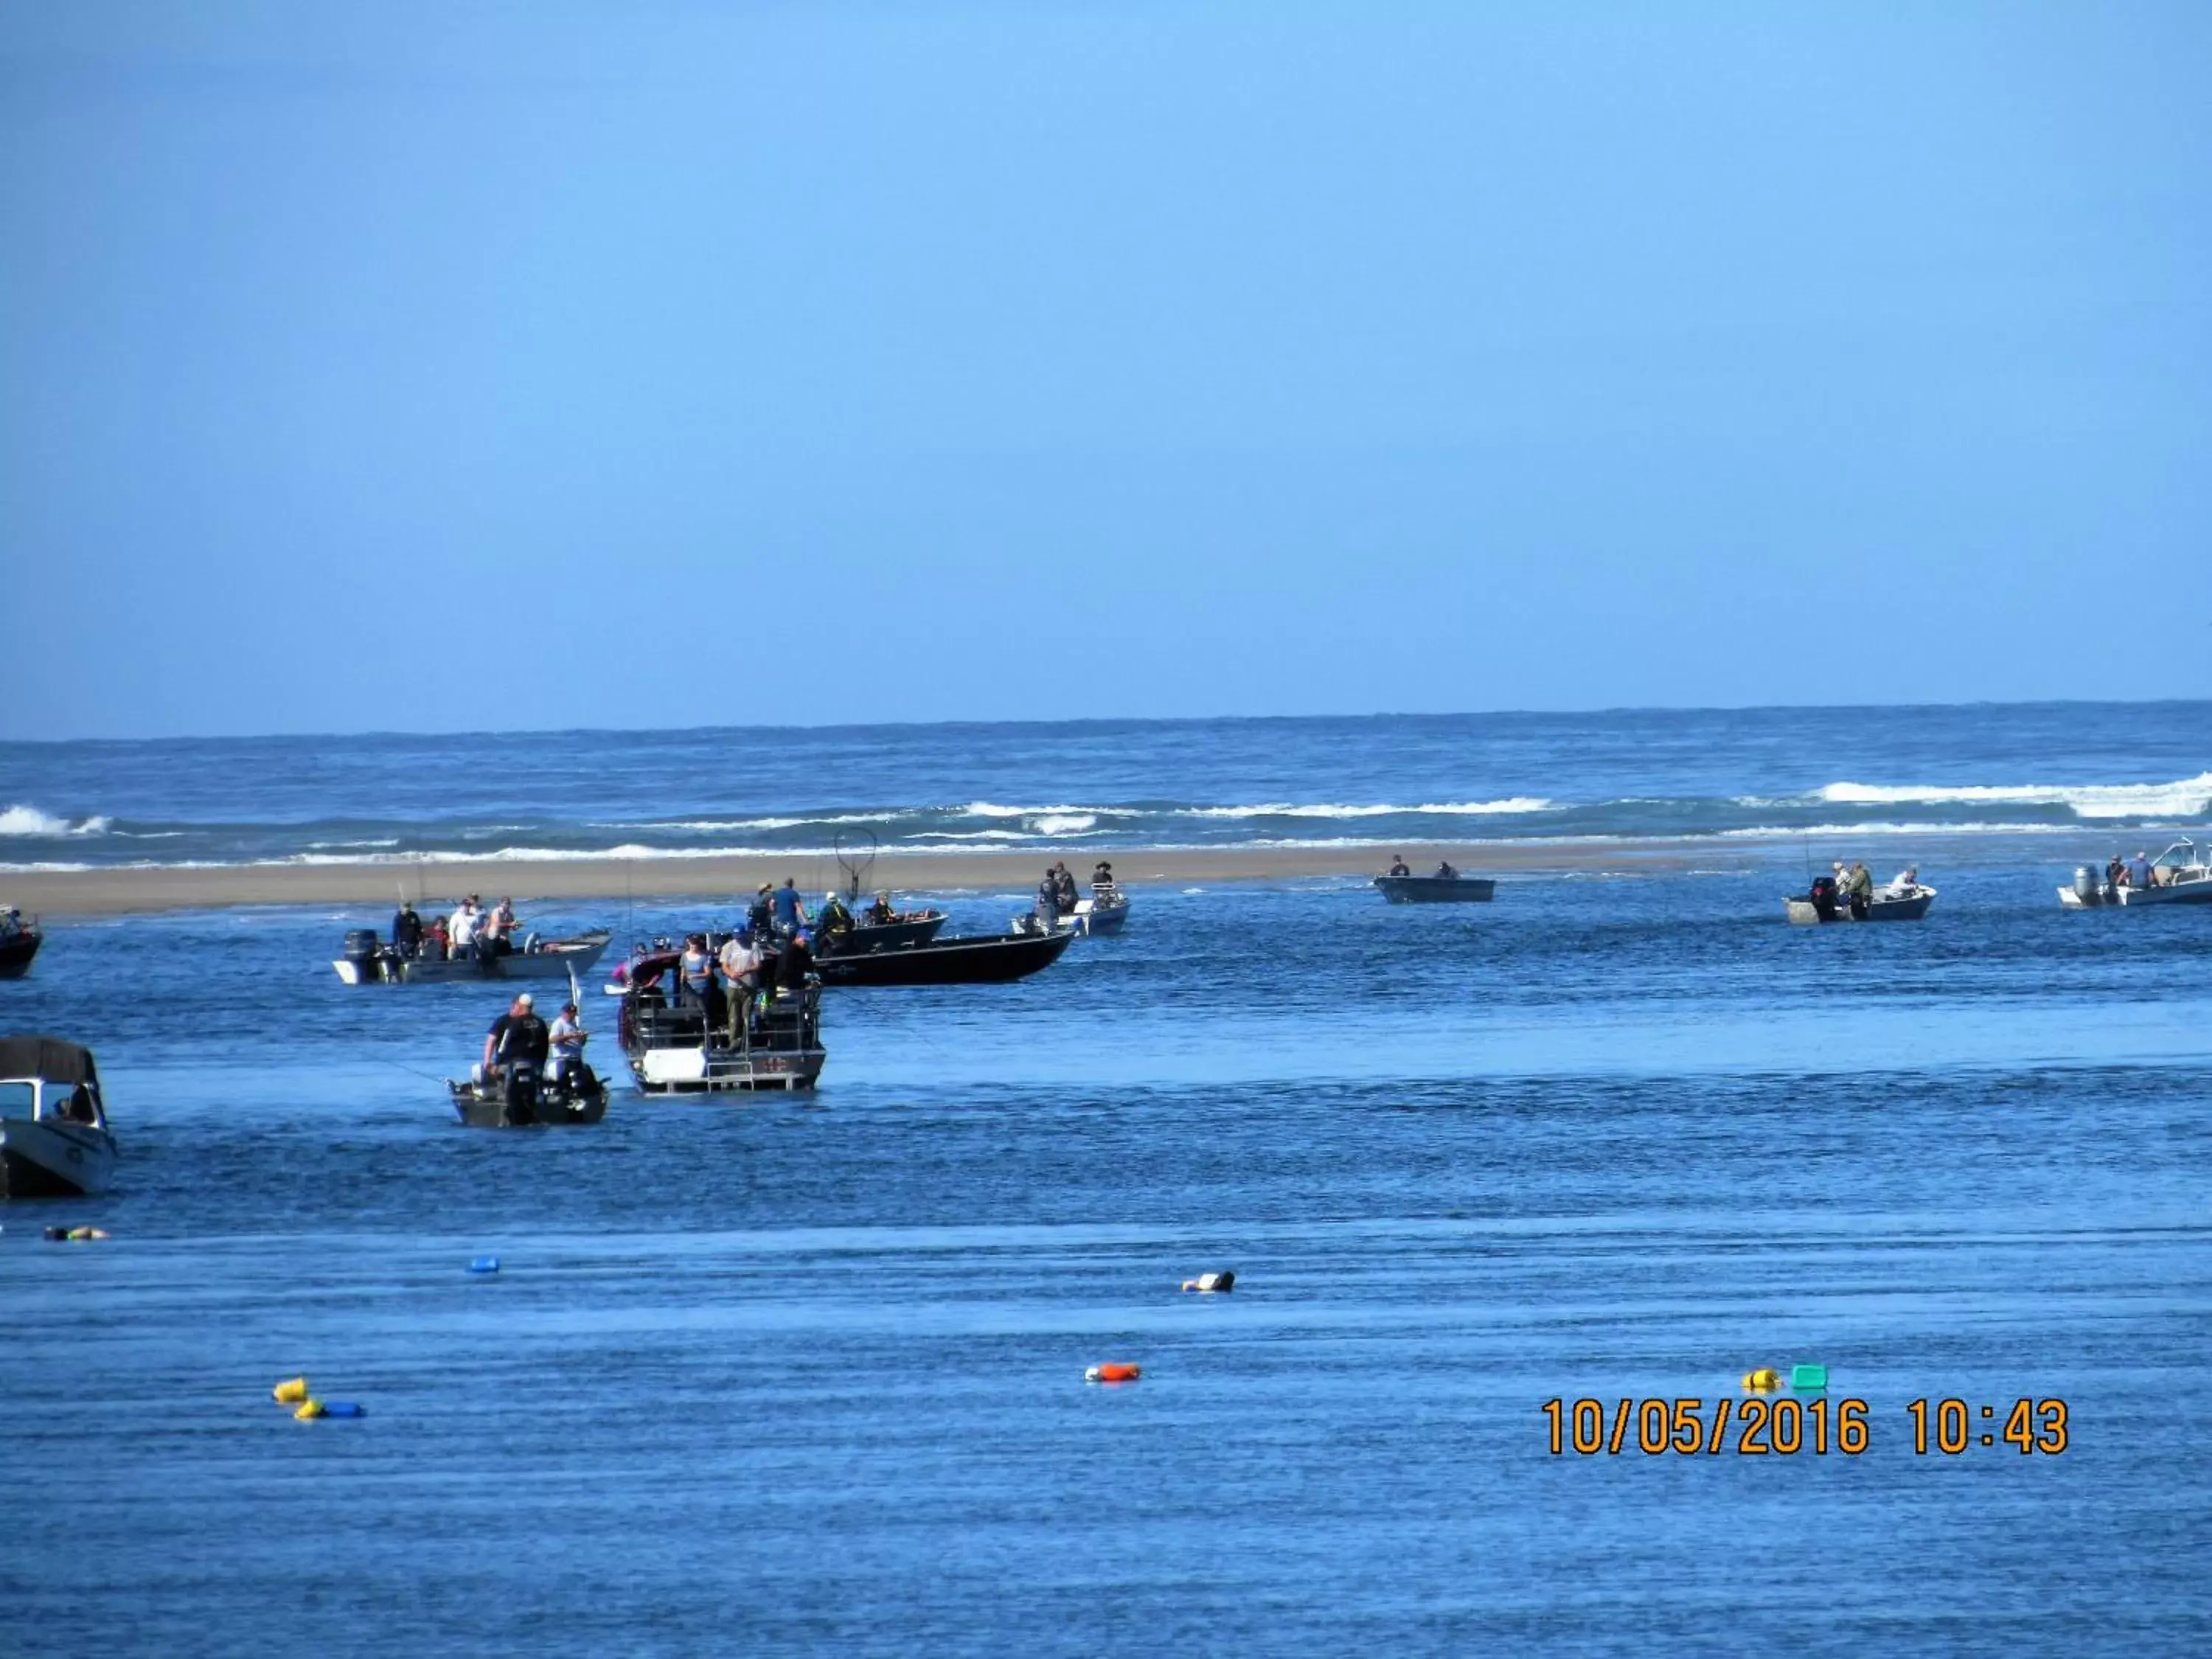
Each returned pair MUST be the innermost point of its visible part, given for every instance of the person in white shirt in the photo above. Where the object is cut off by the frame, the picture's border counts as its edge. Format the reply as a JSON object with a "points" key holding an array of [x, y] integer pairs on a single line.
{"points": [[568, 1038], [463, 928], [1907, 879], [741, 962]]}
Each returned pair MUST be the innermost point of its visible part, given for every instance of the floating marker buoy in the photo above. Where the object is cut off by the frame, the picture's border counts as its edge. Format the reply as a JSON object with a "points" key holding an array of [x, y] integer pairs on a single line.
{"points": [[1113, 1372], [78, 1235], [484, 1264], [309, 1410], [344, 1409], [1223, 1280], [56, 1234], [1764, 1380], [1809, 1376], [290, 1392]]}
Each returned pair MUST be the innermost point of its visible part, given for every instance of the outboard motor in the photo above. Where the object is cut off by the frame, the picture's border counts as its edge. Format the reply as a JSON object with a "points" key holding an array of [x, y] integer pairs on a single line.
{"points": [[362, 948], [1823, 896], [2089, 884]]}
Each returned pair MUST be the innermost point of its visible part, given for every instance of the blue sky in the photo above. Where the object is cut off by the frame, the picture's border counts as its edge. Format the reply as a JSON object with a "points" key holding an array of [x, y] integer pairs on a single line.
{"points": [[469, 365]]}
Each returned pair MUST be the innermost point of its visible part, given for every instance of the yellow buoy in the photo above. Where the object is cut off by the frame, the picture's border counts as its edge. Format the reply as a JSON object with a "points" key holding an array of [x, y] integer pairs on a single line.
{"points": [[1764, 1380], [308, 1408], [290, 1392]]}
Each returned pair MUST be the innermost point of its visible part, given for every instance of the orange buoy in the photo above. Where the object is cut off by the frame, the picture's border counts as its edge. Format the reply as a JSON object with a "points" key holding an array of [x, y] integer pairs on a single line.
{"points": [[1114, 1372]]}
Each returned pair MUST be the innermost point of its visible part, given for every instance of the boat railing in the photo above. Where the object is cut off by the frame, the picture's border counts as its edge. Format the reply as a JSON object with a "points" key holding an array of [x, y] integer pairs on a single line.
{"points": [[784, 1023]]}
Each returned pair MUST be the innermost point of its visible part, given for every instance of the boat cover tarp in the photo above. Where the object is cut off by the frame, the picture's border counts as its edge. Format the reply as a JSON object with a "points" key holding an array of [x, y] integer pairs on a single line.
{"points": [[54, 1058]]}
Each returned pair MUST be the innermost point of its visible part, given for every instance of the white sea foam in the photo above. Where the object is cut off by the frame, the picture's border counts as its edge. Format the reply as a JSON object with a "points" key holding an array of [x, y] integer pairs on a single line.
{"points": [[1334, 809], [1065, 824], [30, 821], [991, 809], [2185, 797]]}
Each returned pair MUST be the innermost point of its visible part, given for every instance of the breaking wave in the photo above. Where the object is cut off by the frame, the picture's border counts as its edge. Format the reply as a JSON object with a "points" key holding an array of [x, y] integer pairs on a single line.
{"points": [[2185, 797], [30, 821]]}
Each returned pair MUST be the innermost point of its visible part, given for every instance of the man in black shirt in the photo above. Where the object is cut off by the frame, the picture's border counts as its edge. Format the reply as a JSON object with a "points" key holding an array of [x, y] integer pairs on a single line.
{"points": [[794, 963], [517, 1036], [407, 931]]}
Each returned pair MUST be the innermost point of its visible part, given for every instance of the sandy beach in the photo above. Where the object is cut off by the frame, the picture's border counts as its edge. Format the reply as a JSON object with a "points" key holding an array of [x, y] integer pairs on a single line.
{"points": [[56, 893]]}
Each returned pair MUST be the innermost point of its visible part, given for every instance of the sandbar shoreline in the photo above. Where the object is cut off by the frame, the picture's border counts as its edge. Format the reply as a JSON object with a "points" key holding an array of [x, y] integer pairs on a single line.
{"points": [[60, 894]]}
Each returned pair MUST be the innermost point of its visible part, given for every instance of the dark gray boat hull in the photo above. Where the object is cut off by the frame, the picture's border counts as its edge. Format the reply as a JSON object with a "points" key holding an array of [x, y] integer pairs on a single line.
{"points": [[1436, 890]]}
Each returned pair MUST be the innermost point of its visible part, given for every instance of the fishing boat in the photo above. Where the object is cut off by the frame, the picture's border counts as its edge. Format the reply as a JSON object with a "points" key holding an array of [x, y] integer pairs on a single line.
{"points": [[370, 960], [517, 1095], [2180, 875], [54, 1139], [675, 1048], [979, 959], [1454, 888], [19, 942], [1103, 912], [915, 928], [1907, 904]]}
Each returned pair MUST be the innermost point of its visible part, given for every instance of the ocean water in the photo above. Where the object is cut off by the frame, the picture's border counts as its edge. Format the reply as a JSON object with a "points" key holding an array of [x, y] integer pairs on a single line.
{"points": [[2055, 769], [806, 1374]]}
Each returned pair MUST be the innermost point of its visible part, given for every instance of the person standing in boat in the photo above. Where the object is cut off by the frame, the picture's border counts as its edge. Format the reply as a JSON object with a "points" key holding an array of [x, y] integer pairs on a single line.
{"points": [[834, 918], [1398, 865], [742, 979], [1048, 902], [407, 932], [1102, 880], [499, 928], [790, 909], [1445, 871], [2116, 874], [1063, 884], [467, 919], [695, 972], [517, 1037], [1858, 888], [567, 1038], [760, 920], [2139, 871]]}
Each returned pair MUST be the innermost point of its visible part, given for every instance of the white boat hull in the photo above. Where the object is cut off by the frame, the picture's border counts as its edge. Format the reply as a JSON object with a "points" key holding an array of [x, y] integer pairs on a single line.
{"points": [[1093, 917], [46, 1157]]}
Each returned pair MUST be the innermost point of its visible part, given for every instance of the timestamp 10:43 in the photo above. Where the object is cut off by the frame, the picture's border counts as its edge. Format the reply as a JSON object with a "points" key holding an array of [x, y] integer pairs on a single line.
{"points": [[1784, 1427]]}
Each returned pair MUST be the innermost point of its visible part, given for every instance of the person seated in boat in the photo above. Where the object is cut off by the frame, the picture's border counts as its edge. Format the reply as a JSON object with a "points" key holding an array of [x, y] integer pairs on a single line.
{"points": [[794, 964], [790, 909], [1906, 884], [499, 929], [567, 1040], [1445, 871], [407, 932], [2140, 874], [834, 918], [1858, 891], [437, 940], [880, 914], [517, 1037], [466, 919], [11, 922], [79, 1108], [1102, 880], [1398, 865]]}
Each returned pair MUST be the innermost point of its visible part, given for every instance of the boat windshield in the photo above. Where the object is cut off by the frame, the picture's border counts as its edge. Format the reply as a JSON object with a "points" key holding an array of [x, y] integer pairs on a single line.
{"points": [[18, 1098], [2182, 855]]}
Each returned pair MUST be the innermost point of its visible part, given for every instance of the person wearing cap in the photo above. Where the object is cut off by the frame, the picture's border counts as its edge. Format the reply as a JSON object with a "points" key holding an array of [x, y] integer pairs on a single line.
{"points": [[1048, 901], [880, 914], [760, 920], [1063, 883], [568, 1037], [833, 918], [406, 932], [795, 965], [517, 1037]]}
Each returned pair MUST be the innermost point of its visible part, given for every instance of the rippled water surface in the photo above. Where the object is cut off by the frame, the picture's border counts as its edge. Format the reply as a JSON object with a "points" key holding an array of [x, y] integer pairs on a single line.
{"points": [[806, 1373]]}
